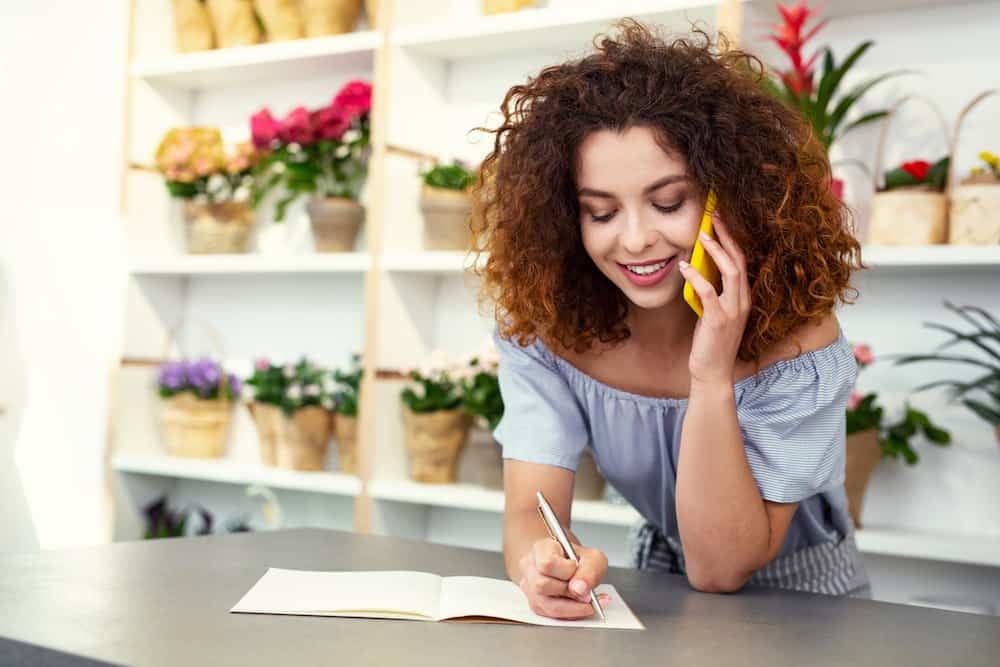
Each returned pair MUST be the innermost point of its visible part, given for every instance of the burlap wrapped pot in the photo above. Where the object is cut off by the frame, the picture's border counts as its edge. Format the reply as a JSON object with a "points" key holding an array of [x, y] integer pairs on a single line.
{"points": [[434, 441], [346, 437], [235, 22], [267, 419], [305, 439], [282, 19], [329, 17], [863, 454], [218, 228], [194, 427], [192, 26]]}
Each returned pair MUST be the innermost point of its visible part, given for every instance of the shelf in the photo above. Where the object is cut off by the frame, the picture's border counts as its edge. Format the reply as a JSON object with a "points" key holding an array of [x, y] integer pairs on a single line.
{"points": [[439, 261], [969, 549], [471, 497], [188, 265], [243, 64], [557, 29], [973, 257], [232, 472]]}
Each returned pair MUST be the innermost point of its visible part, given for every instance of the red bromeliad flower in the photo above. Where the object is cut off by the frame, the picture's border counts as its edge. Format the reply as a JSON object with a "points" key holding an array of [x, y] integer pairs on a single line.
{"points": [[330, 122], [355, 99], [264, 128], [789, 38], [917, 168], [296, 128]]}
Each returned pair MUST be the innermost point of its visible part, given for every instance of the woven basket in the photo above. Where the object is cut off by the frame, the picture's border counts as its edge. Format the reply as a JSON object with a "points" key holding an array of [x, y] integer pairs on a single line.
{"points": [[434, 441], [588, 484], [863, 455], [335, 223], [907, 216], [446, 218], [224, 228], [975, 202], [482, 461], [192, 26], [504, 6], [347, 443], [281, 18], [235, 22], [194, 427], [330, 17]]}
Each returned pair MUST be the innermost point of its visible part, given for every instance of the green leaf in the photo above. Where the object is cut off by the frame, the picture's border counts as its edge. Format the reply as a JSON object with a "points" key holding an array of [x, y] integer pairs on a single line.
{"points": [[938, 436], [832, 77], [983, 411], [938, 174], [847, 102], [909, 359], [898, 178], [865, 120]]}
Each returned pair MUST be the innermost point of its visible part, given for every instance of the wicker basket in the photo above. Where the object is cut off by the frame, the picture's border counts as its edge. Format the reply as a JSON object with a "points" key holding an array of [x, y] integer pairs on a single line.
{"points": [[434, 441], [907, 216], [218, 228], [588, 484], [504, 6], [195, 427], [281, 18], [482, 461], [235, 22], [863, 454], [192, 26], [975, 202], [446, 218], [347, 443], [330, 17], [335, 223]]}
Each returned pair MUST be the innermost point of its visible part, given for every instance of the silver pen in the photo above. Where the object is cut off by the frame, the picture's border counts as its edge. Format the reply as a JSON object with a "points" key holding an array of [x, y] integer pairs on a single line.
{"points": [[557, 533]]}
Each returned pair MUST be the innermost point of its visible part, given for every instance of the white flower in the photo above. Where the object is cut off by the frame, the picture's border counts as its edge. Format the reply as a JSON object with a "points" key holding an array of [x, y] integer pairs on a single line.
{"points": [[351, 135], [289, 371], [327, 403], [312, 390], [294, 392], [249, 392], [329, 386]]}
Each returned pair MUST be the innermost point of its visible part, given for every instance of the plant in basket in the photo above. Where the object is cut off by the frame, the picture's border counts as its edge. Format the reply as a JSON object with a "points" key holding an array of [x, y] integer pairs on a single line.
{"points": [[870, 438], [195, 407], [446, 204], [345, 386], [918, 174], [322, 154], [435, 424], [215, 183]]}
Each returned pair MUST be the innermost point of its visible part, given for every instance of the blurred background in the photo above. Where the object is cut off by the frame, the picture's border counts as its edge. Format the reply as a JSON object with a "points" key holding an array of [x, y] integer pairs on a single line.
{"points": [[235, 287]]}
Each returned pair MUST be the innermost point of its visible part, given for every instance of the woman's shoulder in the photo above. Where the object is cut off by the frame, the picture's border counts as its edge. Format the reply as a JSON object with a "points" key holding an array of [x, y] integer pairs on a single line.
{"points": [[805, 340]]}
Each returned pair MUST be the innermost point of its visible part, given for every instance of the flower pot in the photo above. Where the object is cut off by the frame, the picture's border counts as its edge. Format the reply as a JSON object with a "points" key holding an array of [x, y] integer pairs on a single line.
{"points": [[446, 218], [346, 438], [434, 441], [503, 6], [329, 17], [588, 483], [863, 454], [192, 26], [909, 216], [267, 418], [975, 212], [194, 427], [335, 223], [371, 9], [281, 18], [305, 438], [482, 461], [235, 22], [217, 228]]}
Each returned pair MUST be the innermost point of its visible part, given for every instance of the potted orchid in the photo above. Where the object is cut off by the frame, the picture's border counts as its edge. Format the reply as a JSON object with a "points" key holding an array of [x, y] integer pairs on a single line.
{"points": [[196, 401], [322, 154], [215, 183], [446, 204]]}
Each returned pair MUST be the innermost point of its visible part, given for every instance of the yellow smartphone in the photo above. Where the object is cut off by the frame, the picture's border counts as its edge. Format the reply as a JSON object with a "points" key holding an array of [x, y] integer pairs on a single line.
{"points": [[701, 261]]}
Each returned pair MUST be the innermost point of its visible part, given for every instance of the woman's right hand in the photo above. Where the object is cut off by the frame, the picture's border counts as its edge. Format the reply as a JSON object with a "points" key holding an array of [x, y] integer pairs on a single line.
{"points": [[555, 586]]}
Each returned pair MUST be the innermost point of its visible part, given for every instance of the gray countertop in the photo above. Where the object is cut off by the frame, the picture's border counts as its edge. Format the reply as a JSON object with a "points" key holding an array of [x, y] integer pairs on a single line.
{"points": [[166, 602]]}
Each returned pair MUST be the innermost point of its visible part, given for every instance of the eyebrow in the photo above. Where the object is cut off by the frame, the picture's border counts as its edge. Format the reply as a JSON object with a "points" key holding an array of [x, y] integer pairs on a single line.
{"points": [[656, 185]]}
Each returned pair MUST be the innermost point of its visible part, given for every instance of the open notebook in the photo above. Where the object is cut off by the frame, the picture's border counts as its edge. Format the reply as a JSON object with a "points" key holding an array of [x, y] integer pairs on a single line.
{"points": [[418, 596]]}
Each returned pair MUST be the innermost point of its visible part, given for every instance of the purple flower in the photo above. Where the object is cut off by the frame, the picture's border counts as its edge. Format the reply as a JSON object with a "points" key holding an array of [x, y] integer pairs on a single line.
{"points": [[172, 376], [235, 386]]}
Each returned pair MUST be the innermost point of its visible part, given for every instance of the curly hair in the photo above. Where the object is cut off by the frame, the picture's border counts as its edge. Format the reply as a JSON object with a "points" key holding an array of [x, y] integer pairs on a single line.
{"points": [[770, 173]]}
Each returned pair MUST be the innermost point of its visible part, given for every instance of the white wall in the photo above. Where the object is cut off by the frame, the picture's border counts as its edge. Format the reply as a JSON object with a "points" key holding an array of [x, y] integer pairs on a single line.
{"points": [[61, 72]]}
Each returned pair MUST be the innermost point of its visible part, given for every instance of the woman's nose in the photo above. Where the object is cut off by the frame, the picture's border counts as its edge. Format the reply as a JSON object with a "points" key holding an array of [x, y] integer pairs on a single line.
{"points": [[638, 233]]}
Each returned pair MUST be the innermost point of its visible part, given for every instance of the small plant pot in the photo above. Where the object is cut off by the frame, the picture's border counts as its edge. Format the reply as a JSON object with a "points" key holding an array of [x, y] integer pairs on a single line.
{"points": [[305, 439], [223, 228], [482, 461], [267, 419], [281, 18], [446, 218], [330, 17], [194, 427], [192, 26], [975, 212], [335, 223], [588, 483], [346, 437], [909, 216], [371, 9], [434, 441], [863, 454], [235, 22]]}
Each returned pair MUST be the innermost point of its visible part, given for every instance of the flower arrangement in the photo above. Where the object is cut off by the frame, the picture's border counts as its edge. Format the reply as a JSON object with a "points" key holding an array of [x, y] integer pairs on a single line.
{"points": [[291, 387], [863, 413], [439, 388], [480, 386], [203, 378], [196, 165], [797, 87], [323, 152], [348, 389], [450, 177], [918, 173]]}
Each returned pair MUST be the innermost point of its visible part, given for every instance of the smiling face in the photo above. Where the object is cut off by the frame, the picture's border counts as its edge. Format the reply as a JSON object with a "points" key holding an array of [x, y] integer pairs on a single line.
{"points": [[639, 215]]}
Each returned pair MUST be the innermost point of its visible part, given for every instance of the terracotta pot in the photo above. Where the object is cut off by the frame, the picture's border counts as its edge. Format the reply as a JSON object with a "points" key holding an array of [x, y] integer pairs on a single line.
{"points": [[330, 17], [193, 26], [267, 418], [434, 441], [335, 223], [588, 483], [218, 228], [235, 22], [446, 218], [863, 454], [346, 437], [194, 427], [281, 18], [482, 461]]}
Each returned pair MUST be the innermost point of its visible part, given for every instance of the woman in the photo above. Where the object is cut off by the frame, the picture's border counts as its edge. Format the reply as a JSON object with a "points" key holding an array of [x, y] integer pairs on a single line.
{"points": [[726, 432]]}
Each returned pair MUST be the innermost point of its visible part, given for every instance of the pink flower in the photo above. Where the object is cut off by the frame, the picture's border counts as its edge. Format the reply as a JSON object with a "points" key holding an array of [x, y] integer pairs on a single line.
{"points": [[855, 400], [264, 128], [262, 364], [354, 99], [863, 354], [837, 187], [330, 122], [295, 127]]}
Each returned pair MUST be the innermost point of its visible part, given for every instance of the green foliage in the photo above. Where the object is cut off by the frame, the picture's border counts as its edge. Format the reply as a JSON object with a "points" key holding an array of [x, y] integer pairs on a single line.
{"points": [[293, 386], [348, 391], [436, 393], [895, 439], [481, 397], [452, 177]]}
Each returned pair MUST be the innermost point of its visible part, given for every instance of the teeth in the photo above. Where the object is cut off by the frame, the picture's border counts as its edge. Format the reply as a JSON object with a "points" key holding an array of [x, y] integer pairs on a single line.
{"points": [[647, 269]]}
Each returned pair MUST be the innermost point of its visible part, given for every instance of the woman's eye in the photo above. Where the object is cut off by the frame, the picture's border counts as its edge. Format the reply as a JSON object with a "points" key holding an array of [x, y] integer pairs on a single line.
{"points": [[668, 209], [602, 218]]}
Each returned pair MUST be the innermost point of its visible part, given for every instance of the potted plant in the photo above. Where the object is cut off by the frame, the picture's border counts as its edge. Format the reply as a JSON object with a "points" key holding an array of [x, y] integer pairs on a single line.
{"points": [[911, 208], [292, 407], [282, 19], [981, 395], [975, 205], [216, 185], [346, 387], [196, 401], [192, 26], [870, 439], [434, 423], [235, 22], [330, 17], [482, 462], [445, 204], [164, 521], [322, 154]]}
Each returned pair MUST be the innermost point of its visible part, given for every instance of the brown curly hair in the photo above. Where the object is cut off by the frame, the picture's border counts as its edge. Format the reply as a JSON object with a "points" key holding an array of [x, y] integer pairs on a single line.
{"points": [[771, 175]]}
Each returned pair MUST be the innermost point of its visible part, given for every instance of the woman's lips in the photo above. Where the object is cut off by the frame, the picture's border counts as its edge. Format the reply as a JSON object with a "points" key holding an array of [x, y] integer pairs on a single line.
{"points": [[649, 279]]}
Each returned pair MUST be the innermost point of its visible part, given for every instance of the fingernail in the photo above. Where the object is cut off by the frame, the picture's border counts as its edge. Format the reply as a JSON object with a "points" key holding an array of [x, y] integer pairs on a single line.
{"points": [[684, 264], [705, 237], [579, 587]]}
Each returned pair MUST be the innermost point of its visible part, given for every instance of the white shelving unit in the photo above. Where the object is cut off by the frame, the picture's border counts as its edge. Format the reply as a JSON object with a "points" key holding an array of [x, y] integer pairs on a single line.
{"points": [[206, 265], [932, 256]]}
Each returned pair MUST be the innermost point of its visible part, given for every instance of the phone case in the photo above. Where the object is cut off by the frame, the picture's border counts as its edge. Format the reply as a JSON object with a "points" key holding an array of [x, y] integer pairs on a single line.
{"points": [[701, 260]]}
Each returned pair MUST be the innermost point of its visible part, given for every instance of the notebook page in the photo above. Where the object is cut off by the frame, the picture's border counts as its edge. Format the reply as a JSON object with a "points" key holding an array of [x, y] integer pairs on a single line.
{"points": [[376, 594], [479, 596]]}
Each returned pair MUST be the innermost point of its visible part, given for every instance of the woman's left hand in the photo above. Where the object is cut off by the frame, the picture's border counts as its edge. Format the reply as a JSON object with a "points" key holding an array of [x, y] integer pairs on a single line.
{"points": [[719, 331]]}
